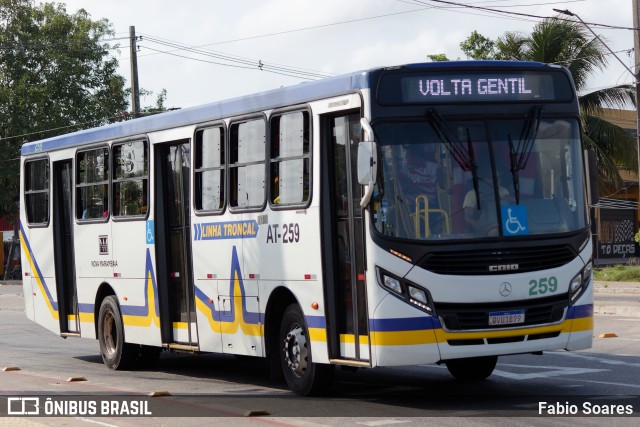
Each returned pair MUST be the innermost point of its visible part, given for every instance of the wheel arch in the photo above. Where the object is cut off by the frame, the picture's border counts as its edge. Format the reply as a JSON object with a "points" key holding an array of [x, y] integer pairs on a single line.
{"points": [[279, 300]]}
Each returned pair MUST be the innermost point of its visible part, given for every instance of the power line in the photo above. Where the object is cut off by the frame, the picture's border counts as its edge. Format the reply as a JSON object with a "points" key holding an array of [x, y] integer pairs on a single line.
{"points": [[314, 27], [234, 61], [234, 58], [520, 14]]}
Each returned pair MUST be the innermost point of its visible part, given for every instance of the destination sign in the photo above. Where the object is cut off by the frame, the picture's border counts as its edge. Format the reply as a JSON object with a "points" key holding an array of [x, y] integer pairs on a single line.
{"points": [[477, 88]]}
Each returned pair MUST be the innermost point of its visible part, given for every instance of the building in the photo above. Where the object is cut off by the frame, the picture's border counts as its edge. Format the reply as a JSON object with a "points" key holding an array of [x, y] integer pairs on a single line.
{"points": [[617, 214]]}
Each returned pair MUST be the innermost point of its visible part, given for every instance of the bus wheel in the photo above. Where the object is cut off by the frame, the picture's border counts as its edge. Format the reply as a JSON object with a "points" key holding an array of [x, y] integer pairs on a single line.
{"points": [[116, 354], [472, 368], [302, 375]]}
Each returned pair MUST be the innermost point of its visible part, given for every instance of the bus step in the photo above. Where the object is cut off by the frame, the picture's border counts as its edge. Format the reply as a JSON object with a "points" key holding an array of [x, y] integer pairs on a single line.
{"points": [[182, 347], [350, 362], [69, 334]]}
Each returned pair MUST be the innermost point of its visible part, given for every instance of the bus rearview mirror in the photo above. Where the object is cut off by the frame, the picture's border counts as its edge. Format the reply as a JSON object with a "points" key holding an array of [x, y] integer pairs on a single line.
{"points": [[367, 162]]}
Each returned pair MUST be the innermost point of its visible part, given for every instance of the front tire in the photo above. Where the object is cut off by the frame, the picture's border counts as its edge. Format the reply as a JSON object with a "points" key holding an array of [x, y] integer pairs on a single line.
{"points": [[472, 368], [116, 353], [302, 375]]}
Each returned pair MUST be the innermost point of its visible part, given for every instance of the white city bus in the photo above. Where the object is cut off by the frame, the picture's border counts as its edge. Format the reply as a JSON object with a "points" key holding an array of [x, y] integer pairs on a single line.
{"points": [[426, 213]]}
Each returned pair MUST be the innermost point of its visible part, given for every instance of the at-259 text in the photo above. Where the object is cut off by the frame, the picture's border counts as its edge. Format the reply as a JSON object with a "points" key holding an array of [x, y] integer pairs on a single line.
{"points": [[285, 233]]}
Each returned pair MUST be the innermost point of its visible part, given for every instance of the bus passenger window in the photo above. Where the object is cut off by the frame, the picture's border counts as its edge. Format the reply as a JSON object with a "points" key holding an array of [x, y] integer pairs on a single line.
{"points": [[36, 184], [209, 169], [131, 174], [290, 159], [246, 164], [92, 184]]}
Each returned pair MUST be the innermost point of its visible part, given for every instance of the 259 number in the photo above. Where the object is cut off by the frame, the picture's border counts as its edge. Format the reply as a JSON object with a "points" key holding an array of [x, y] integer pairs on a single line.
{"points": [[287, 233], [543, 286]]}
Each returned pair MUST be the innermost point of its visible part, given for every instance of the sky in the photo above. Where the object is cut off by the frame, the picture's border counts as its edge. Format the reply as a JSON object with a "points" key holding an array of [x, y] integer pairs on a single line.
{"points": [[303, 40]]}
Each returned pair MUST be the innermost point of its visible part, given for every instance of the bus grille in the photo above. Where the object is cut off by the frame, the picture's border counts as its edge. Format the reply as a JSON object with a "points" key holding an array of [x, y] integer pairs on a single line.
{"points": [[498, 261], [462, 317]]}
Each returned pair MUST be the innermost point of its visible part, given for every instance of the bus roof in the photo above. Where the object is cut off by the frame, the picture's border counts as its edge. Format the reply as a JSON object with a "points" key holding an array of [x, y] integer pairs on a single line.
{"points": [[291, 95]]}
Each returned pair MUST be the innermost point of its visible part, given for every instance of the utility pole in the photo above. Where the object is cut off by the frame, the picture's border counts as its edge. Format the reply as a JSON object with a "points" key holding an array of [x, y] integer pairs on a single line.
{"points": [[135, 89], [636, 54]]}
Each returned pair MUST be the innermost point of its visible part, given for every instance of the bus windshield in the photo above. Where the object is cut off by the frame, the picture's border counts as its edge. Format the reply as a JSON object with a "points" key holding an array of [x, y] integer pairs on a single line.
{"points": [[446, 179]]}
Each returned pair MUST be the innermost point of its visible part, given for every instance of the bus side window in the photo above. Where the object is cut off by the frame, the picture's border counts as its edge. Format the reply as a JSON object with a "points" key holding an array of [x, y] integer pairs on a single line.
{"points": [[92, 184], [247, 164], [36, 184], [131, 175], [210, 165], [290, 159]]}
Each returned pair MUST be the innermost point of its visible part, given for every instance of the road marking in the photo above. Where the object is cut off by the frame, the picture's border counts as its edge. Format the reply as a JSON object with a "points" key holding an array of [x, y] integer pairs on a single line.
{"points": [[295, 422], [606, 383], [87, 420], [600, 359], [382, 422], [550, 371]]}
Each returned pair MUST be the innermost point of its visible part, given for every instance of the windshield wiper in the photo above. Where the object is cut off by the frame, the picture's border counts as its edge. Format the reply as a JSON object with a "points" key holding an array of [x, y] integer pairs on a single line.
{"points": [[519, 156], [465, 158]]}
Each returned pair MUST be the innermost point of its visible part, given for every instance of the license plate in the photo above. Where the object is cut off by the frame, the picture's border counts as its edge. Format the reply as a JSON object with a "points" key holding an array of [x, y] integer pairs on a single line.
{"points": [[506, 317]]}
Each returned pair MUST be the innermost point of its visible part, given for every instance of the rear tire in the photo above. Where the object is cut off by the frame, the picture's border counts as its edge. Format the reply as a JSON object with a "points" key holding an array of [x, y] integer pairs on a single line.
{"points": [[472, 368], [294, 347], [116, 353]]}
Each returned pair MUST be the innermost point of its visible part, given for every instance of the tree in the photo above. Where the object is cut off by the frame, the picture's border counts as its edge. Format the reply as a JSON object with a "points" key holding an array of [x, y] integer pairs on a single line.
{"points": [[478, 46], [56, 76], [568, 43], [438, 57]]}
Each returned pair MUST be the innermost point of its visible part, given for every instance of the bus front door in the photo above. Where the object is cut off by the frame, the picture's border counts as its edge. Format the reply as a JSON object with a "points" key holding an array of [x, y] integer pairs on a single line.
{"points": [[343, 234], [63, 248], [173, 245]]}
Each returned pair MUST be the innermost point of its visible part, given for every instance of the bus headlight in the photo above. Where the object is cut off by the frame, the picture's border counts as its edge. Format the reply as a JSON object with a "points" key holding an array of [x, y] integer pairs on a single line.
{"points": [[407, 291], [418, 294], [392, 284], [580, 282], [575, 284]]}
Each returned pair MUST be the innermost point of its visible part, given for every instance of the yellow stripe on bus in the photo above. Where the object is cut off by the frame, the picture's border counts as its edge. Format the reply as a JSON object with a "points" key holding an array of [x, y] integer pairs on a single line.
{"points": [[34, 271], [351, 339], [427, 336], [87, 317], [318, 334], [180, 325]]}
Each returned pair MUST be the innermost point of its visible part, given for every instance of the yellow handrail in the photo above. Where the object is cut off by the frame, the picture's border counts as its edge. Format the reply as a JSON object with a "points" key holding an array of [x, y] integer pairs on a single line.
{"points": [[422, 213]]}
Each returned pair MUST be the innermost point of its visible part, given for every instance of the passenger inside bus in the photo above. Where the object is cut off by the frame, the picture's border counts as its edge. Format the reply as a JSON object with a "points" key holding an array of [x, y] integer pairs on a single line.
{"points": [[479, 203]]}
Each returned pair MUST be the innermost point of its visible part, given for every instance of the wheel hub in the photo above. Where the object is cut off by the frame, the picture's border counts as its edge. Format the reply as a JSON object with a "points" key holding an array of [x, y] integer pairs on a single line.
{"points": [[109, 332], [296, 353]]}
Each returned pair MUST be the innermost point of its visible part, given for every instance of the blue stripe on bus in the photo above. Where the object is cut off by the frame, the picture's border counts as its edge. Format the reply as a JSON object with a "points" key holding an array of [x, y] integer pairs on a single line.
{"points": [[406, 324], [316, 322], [579, 311], [149, 281], [248, 317], [86, 308], [52, 302]]}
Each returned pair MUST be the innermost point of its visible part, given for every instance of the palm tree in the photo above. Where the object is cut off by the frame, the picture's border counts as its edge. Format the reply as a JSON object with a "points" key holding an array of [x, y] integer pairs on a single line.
{"points": [[566, 42]]}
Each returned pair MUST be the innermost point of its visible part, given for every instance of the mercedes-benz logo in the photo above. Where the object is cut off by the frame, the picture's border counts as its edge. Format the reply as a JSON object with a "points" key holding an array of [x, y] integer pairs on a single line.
{"points": [[505, 289]]}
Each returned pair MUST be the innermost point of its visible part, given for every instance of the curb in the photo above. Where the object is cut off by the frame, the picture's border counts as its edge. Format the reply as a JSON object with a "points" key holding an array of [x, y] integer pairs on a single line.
{"points": [[608, 309], [11, 282]]}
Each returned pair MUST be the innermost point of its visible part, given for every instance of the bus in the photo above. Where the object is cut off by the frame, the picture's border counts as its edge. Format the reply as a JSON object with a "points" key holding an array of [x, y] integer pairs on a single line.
{"points": [[407, 215]]}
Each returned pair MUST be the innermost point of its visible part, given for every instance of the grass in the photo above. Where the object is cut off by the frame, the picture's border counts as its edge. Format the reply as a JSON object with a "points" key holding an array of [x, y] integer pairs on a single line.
{"points": [[618, 273]]}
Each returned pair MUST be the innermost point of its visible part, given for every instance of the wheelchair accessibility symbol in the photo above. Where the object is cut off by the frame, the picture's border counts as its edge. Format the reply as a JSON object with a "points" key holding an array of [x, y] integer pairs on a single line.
{"points": [[514, 220], [150, 235]]}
